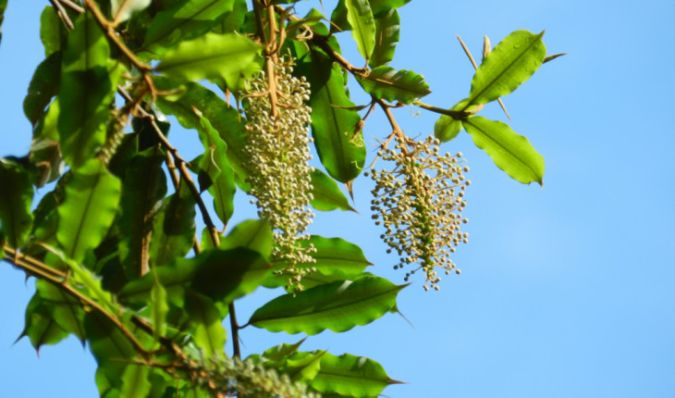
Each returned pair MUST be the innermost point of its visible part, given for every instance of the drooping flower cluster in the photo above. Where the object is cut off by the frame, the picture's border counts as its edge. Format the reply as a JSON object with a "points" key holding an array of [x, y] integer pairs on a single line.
{"points": [[278, 162], [419, 201]]}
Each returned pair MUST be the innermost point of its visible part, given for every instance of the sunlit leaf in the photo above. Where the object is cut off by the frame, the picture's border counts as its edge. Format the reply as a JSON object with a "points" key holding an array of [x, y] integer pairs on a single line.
{"points": [[205, 325], [510, 151], [216, 164], [351, 376], [385, 82], [386, 37], [509, 64], [91, 202], [135, 382], [335, 260], [251, 234], [361, 19], [66, 310], [447, 128], [16, 194], [338, 306], [185, 20], [52, 32], [122, 10], [336, 134], [212, 56], [159, 307], [326, 195]]}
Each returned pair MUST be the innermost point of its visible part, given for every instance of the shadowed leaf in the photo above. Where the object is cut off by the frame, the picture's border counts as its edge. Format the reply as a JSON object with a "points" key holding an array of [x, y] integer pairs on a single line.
{"points": [[16, 194], [386, 37], [326, 194]]}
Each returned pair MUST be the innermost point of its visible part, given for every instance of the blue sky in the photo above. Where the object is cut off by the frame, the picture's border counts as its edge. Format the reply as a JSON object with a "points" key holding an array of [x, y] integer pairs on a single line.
{"points": [[566, 291]]}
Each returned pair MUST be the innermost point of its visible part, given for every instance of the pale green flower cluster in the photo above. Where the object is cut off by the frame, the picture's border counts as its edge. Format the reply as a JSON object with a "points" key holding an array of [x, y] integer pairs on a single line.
{"points": [[278, 163], [419, 201]]}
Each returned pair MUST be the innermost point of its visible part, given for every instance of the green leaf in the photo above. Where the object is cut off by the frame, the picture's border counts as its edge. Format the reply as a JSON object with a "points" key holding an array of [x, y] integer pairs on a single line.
{"points": [[92, 199], [382, 6], [509, 64], [86, 91], [223, 118], [143, 188], [350, 376], [338, 306], [159, 307], [111, 348], [221, 275], [255, 235], [510, 151], [135, 381], [335, 127], [205, 326], [3, 6], [43, 87], [385, 82], [361, 19], [388, 26], [217, 165], [52, 32], [174, 228], [184, 21], [41, 327], [66, 311], [16, 194], [447, 128], [211, 56], [121, 10], [326, 194], [335, 260]]}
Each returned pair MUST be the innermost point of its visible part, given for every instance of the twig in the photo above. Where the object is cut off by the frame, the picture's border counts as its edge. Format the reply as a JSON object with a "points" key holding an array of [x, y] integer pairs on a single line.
{"points": [[457, 115]]}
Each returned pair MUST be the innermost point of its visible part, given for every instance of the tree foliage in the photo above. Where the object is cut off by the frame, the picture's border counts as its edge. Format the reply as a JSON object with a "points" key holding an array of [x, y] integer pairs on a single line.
{"points": [[114, 242]]}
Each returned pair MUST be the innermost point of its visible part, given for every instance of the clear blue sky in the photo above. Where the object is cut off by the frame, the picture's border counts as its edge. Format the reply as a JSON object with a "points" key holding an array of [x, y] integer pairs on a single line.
{"points": [[567, 291]]}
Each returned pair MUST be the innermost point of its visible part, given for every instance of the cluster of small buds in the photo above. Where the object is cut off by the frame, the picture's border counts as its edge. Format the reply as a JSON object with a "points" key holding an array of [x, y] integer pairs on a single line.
{"points": [[278, 162], [419, 201]]}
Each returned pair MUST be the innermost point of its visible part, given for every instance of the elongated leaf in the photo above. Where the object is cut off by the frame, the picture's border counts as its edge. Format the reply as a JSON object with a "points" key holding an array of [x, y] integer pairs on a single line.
{"points": [[144, 186], [16, 194], [387, 31], [184, 21], [43, 87], [205, 326], [386, 83], [86, 91], [217, 165], [135, 382], [222, 117], [361, 19], [174, 228], [447, 128], [211, 56], [121, 10], [337, 306], [335, 260], [111, 348], [382, 6], [159, 307], [221, 275], [92, 198], [350, 376], [509, 64], [65, 310], [334, 126], [255, 235], [41, 328], [326, 194], [52, 31], [510, 151]]}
